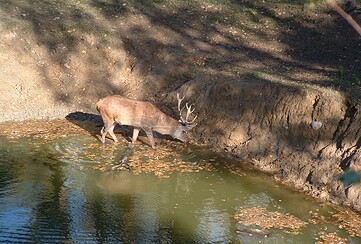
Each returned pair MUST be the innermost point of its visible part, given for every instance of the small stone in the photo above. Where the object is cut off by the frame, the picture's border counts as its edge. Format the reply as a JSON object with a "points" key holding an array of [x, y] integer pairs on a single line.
{"points": [[316, 125]]}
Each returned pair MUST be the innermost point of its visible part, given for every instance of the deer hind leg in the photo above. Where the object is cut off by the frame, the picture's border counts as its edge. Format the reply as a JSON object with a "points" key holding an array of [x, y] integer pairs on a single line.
{"points": [[112, 133], [103, 134], [149, 133], [108, 128]]}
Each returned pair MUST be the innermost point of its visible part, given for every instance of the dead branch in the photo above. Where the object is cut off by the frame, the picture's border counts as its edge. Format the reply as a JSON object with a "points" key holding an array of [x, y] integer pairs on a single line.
{"points": [[346, 16]]}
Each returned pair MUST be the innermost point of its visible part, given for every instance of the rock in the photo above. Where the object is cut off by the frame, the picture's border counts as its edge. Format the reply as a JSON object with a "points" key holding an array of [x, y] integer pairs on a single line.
{"points": [[316, 125]]}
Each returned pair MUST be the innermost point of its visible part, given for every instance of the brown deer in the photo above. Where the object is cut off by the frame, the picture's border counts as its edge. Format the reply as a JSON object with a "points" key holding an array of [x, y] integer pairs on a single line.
{"points": [[143, 115]]}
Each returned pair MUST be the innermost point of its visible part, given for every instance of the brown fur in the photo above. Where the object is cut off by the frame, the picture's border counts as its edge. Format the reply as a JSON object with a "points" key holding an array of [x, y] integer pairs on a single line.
{"points": [[140, 115]]}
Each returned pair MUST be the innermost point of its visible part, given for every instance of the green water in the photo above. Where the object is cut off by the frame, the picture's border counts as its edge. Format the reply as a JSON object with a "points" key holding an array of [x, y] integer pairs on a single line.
{"points": [[55, 192]]}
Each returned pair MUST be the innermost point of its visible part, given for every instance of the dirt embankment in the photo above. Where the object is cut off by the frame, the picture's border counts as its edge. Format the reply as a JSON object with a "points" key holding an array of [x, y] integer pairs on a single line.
{"points": [[305, 136]]}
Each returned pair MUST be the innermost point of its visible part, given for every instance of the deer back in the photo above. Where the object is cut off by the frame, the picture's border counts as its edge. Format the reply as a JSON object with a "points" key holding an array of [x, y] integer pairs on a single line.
{"points": [[135, 113]]}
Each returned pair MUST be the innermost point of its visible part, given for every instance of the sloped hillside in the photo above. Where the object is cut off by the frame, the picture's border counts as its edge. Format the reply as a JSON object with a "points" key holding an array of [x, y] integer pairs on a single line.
{"points": [[57, 57]]}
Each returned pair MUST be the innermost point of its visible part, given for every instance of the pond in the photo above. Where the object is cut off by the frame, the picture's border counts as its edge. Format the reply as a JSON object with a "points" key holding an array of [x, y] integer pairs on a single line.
{"points": [[72, 189]]}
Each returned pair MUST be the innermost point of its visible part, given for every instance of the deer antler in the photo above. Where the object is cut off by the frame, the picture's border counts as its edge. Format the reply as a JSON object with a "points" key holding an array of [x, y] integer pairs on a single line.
{"points": [[189, 123], [180, 101], [189, 112]]}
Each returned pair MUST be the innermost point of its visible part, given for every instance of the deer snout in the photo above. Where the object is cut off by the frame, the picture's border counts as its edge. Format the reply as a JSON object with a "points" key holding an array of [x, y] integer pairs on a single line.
{"points": [[183, 138], [181, 135]]}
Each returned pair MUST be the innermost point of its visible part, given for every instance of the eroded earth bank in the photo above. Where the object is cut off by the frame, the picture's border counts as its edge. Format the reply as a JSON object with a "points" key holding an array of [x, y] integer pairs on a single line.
{"points": [[304, 136]]}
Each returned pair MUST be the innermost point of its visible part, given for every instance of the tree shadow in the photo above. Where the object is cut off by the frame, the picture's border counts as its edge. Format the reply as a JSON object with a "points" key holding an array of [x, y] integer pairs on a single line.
{"points": [[97, 47]]}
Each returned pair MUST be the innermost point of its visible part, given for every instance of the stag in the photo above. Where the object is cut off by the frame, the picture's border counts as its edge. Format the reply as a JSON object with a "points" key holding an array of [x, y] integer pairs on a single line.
{"points": [[144, 115]]}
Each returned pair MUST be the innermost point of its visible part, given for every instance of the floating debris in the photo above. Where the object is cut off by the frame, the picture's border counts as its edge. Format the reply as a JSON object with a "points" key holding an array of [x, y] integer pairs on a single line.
{"points": [[142, 160], [349, 221], [258, 216], [329, 238], [317, 218], [46, 130], [161, 162]]}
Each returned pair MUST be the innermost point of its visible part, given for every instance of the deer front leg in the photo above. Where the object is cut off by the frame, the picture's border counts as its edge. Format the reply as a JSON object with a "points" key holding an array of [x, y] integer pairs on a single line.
{"points": [[108, 128], [112, 133], [135, 134], [149, 133]]}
